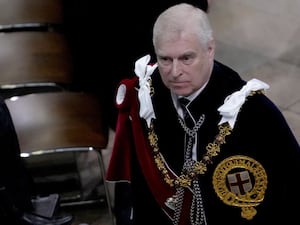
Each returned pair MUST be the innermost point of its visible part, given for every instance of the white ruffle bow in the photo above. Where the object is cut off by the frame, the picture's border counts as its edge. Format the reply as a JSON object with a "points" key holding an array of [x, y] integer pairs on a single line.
{"points": [[232, 104], [143, 70]]}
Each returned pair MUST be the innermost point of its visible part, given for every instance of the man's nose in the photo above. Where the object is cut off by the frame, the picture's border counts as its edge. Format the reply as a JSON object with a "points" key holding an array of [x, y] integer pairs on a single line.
{"points": [[176, 68]]}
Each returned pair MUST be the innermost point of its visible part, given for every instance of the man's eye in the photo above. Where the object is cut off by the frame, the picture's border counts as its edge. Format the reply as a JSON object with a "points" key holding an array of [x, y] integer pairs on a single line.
{"points": [[164, 60], [187, 60]]}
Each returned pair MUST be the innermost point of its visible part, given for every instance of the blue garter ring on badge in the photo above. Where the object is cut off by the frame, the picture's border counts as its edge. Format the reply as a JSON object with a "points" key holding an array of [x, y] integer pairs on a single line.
{"points": [[241, 181]]}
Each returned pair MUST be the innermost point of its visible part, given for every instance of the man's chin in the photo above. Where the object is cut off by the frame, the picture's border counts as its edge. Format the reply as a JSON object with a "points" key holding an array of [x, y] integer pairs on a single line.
{"points": [[181, 91]]}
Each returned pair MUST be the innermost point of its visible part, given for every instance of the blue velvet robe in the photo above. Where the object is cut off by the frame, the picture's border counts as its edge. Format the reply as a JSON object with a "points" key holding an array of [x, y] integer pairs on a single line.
{"points": [[260, 132]]}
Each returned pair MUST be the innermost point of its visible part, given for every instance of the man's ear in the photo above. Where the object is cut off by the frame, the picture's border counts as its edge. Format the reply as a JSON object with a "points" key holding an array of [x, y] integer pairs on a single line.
{"points": [[211, 48]]}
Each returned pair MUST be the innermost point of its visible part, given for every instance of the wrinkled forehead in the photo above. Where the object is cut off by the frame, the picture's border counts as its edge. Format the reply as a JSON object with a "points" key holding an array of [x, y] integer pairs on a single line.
{"points": [[182, 37]]}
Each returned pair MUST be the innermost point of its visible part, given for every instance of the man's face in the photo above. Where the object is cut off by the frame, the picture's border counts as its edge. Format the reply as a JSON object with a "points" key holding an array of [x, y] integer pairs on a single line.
{"points": [[184, 65]]}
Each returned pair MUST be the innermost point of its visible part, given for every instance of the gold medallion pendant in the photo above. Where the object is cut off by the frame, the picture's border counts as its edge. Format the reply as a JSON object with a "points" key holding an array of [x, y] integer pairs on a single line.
{"points": [[241, 181]]}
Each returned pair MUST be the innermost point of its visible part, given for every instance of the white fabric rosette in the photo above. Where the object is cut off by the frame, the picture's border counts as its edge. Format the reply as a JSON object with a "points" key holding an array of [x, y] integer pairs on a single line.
{"points": [[143, 70], [232, 104]]}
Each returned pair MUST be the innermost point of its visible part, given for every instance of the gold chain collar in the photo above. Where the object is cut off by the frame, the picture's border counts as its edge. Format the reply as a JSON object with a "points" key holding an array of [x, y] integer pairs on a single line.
{"points": [[199, 168]]}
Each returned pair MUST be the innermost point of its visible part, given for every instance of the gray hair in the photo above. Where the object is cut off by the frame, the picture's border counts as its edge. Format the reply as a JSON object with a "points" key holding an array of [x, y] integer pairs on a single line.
{"points": [[181, 19]]}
